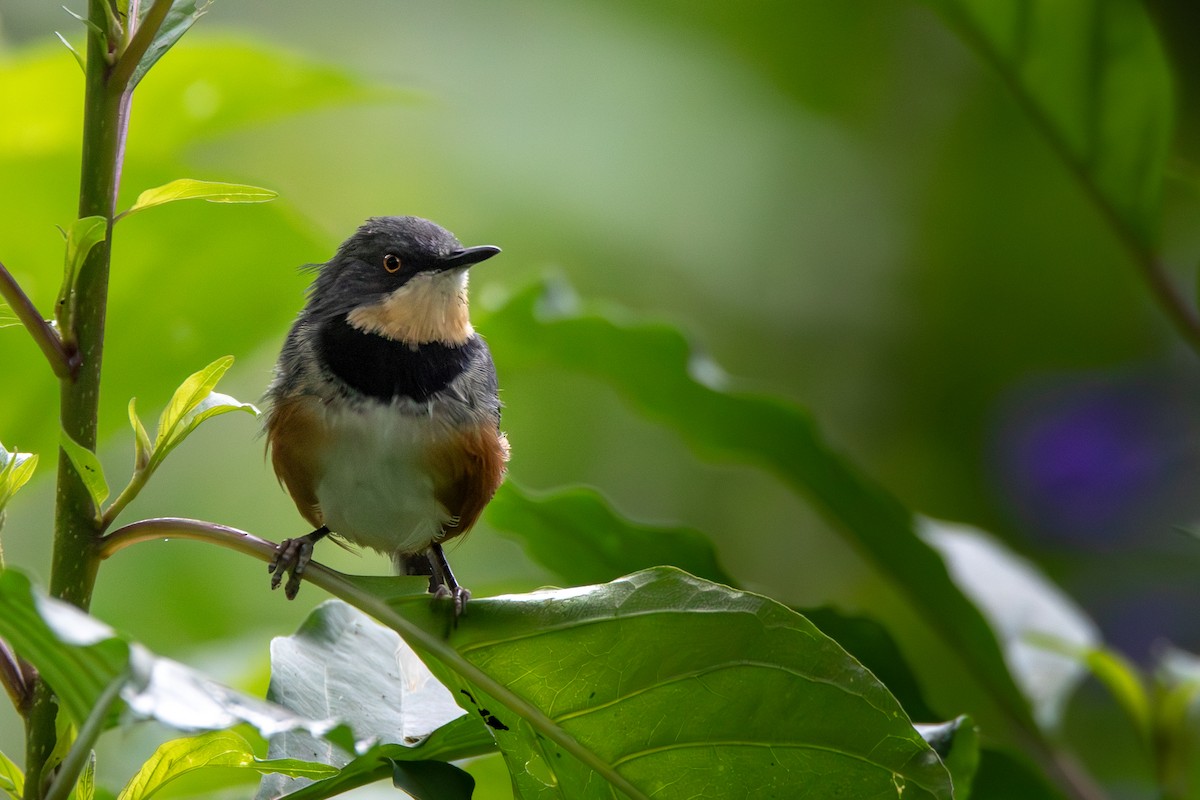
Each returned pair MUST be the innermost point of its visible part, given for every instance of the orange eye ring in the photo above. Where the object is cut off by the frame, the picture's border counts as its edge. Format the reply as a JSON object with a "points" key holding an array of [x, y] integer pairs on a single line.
{"points": [[391, 262]]}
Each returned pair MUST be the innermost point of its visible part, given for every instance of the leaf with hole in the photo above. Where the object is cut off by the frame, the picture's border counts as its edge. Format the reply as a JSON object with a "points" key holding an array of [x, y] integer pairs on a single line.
{"points": [[88, 467], [663, 685]]}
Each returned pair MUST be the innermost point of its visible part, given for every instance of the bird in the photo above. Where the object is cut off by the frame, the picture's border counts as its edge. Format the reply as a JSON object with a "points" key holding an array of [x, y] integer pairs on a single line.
{"points": [[382, 417]]}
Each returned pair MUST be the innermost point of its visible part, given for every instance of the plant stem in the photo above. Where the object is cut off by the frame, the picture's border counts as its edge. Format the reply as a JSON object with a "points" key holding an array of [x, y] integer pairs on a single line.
{"points": [[74, 561], [43, 333]]}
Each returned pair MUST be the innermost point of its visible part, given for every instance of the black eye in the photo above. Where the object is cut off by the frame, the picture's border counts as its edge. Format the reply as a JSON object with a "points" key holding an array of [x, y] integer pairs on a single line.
{"points": [[391, 262]]}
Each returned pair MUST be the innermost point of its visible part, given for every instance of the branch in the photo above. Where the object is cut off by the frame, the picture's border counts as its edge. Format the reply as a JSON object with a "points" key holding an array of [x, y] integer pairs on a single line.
{"points": [[143, 37], [64, 364]]}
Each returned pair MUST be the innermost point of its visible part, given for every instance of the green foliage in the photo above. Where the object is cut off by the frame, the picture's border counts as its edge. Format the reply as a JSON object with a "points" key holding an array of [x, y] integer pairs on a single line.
{"points": [[178, 757], [82, 235], [15, 471], [1092, 75], [746, 682], [12, 781], [89, 468], [193, 403], [658, 683], [580, 538], [761, 430]]}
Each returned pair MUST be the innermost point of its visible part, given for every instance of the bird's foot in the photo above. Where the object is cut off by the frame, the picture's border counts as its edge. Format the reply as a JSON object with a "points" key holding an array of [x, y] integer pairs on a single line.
{"points": [[459, 594], [292, 556]]}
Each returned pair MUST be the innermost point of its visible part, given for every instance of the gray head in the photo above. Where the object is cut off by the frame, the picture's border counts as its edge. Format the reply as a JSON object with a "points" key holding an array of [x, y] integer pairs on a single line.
{"points": [[384, 255]]}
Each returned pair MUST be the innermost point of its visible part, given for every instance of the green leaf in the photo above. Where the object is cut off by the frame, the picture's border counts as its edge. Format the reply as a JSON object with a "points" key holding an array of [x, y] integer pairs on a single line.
{"points": [[73, 652], [89, 468], [12, 780], [193, 403], [183, 15], [533, 331], [677, 686], [190, 394], [86, 788], [191, 189], [957, 744], [15, 471], [394, 761], [343, 666], [1118, 675], [78, 58], [873, 646], [143, 449], [1093, 78], [178, 757], [1005, 776], [1177, 740], [82, 235], [1022, 605], [432, 780], [575, 534]]}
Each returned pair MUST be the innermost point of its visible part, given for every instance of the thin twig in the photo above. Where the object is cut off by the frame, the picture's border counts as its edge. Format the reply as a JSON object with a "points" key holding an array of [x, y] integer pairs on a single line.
{"points": [[143, 37], [44, 335]]}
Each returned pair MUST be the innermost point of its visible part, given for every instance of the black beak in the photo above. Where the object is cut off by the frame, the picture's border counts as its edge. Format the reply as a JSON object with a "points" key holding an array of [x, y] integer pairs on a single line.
{"points": [[467, 256]]}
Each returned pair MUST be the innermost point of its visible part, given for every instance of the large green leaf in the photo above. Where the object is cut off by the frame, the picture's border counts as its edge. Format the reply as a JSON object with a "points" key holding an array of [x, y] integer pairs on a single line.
{"points": [[578, 536], [575, 534], [663, 685], [1093, 77], [532, 330]]}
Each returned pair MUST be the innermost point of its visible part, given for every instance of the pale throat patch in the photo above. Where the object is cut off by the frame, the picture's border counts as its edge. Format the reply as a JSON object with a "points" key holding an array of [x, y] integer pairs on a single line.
{"points": [[431, 307]]}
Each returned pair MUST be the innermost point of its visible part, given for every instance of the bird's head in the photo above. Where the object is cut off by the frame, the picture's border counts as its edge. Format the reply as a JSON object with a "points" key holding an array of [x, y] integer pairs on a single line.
{"points": [[400, 277]]}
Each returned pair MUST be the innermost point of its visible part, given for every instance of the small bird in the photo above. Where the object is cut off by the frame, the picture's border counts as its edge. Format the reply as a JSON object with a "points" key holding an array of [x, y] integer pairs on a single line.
{"points": [[383, 416]]}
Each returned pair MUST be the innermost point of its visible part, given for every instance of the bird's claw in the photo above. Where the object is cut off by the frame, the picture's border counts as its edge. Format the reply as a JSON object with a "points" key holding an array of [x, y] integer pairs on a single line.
{"points": [[291, 556], [459, 595]]}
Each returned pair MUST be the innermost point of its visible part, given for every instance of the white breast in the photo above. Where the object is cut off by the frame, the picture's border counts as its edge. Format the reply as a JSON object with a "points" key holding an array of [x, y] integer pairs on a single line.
{"points": [[376, 490]]}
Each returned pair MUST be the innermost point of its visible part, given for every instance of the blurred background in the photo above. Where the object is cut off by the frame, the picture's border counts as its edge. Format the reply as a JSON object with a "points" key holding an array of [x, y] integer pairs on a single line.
{"points": [[837, 201]]}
